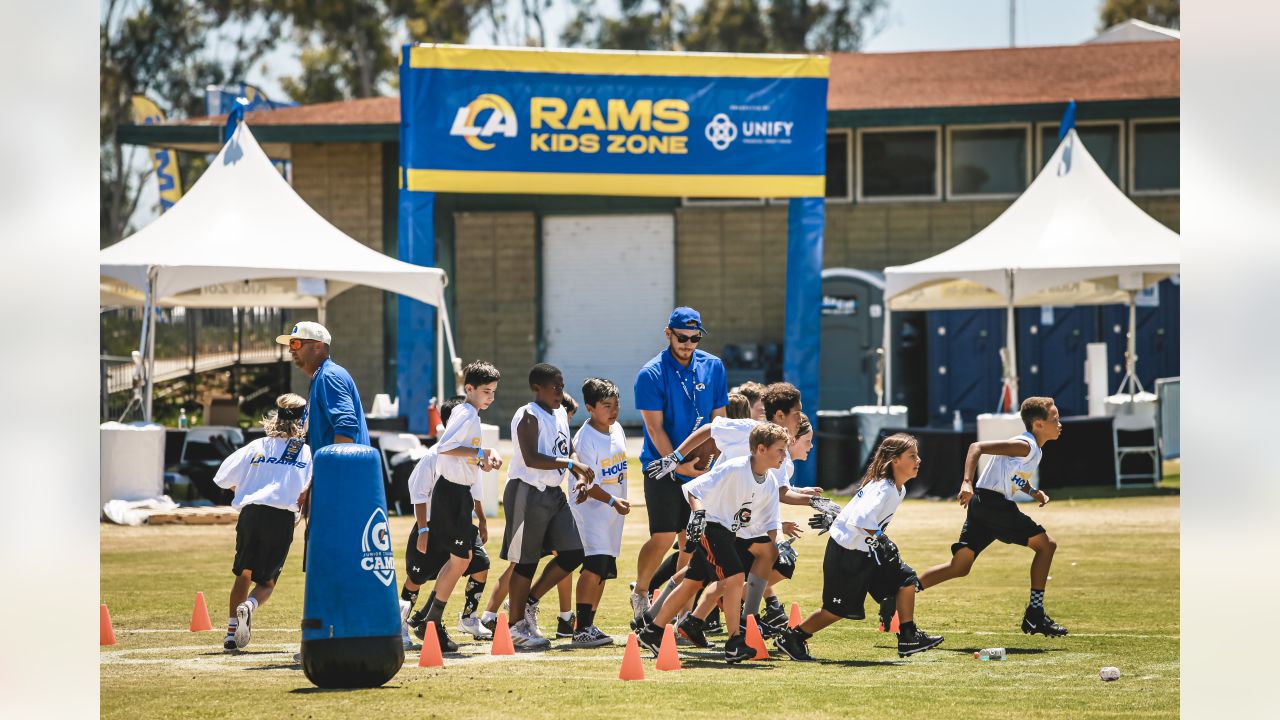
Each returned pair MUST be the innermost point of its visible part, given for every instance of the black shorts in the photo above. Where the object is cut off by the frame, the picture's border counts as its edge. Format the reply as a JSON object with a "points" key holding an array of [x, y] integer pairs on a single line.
{"points": [[263, 537], [848, 576], [450, 521], [744, 550], [606, 566], [668, 510], [993, 517], [425, 567], [716, 557]]}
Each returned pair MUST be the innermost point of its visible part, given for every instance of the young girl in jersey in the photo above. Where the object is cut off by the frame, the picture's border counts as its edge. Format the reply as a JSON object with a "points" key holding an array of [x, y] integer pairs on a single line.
{"points": [[269, 475], [861, 560]]}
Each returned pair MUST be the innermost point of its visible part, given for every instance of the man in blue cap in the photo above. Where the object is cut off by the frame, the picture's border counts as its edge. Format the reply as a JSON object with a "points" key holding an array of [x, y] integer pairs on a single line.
{"points": [[677, 391]]}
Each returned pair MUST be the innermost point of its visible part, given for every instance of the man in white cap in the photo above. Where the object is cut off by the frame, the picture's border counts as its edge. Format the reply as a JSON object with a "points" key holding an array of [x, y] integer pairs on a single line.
{"points": [[334, 411]]}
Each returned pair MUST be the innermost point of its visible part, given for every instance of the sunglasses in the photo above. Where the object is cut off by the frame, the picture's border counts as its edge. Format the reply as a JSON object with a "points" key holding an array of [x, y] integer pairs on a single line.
{"points": [[694, 339], [296, 344]]}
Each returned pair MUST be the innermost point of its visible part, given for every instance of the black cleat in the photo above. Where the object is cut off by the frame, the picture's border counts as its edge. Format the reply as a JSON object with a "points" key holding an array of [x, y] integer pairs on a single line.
{"points": [[711, 625], [794, 645], [774, 616], [916, 642], [490, 625], [650, 636], [691, 629], [1036, 622], [446, 645], [736, 650], [564, 628], [418, 624], [888, 607]]}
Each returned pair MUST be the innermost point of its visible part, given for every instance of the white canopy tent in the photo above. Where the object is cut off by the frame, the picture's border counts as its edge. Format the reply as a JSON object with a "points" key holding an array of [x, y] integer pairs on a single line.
{"points": [[1072, 238], [242, 237]]}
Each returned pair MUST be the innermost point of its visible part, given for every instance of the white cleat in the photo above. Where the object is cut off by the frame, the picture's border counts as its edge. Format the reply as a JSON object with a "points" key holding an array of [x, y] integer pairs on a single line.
{"points": [[470, 625], [244, 618], [639, 604], [531, 620], [522, 638], [405, 638]]}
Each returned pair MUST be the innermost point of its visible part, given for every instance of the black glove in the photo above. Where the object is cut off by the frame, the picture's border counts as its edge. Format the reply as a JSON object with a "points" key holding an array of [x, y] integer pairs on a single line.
{"points": [[821, 522], [693, 531], [884, 550], [665, 465]]}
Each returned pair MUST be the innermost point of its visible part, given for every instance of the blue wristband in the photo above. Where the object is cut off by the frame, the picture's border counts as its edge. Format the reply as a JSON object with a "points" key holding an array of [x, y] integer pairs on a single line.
{"points": [[570, 465], [610, 501], [679, 457], [422, 530], [479, 452]]}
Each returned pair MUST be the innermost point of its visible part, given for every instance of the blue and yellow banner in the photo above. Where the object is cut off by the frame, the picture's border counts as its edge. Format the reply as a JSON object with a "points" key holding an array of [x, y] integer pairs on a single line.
{"points": [[163, 160], [612, 123]]}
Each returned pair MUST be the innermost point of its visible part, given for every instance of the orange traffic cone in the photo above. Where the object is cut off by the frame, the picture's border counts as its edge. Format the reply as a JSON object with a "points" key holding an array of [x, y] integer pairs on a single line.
{"points": [[893, 624], [656, 593], [431, 655], [668, 658], [631, 667], [501, 644], [200, 615], [794, 619], [755, 640], [433, 418], [106, 634]]}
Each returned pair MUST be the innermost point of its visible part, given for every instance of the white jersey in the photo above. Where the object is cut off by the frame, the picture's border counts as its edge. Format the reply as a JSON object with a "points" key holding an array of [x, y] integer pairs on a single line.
{"points": [[730, 493], [867, 513], [553, 441], [1006, 474], [269, 471], [422, 482], [732, 436], [463, 431], [599, 525]]}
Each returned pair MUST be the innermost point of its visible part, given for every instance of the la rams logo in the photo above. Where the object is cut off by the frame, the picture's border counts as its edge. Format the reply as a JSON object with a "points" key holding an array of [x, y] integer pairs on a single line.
{"points": [[375, 546], [499, 119]]}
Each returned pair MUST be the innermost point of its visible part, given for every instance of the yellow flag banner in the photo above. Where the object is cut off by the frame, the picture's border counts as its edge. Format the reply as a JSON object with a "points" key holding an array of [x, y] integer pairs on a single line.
{"points": [[163, 160]]}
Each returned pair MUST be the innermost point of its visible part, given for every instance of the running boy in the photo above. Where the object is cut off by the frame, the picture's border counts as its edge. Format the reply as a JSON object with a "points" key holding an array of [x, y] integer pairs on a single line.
{"points": [[538, 517], [460, 460], [861, 560], [602, 446], [993, 515], [269, 475]]}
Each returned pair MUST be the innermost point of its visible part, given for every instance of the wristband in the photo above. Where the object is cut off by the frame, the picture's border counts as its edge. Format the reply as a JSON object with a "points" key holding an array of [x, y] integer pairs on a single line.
{"points": [[479, 452], [610, 501], [570, 465], [679, 457], [422, 530]]}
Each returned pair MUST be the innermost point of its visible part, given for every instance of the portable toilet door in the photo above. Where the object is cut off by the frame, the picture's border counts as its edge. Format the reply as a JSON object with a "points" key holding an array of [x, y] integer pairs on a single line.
{"points": [[852, 332]]}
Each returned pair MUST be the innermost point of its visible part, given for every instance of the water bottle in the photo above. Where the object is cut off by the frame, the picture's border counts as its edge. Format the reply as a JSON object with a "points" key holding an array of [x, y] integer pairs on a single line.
{"points": [[183, 422], [957, 422], [989, 654]]}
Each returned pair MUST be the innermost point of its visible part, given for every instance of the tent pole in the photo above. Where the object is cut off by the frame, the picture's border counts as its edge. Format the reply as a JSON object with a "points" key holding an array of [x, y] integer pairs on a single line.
{"points": [[1011, 380], [150, 343], [439, 358], [886, 399], [1131, 353], [456, 362]]}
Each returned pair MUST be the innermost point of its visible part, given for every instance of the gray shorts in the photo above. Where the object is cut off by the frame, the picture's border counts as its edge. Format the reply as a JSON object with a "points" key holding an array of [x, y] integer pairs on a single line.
{"points": [[538, 521]]}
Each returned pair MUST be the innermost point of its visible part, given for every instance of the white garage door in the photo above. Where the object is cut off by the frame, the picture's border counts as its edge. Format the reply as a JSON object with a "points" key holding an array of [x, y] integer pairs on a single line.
{"points": [[608, 284]]}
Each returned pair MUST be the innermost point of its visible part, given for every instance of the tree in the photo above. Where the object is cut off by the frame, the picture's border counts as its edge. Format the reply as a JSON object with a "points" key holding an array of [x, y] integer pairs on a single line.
{"points": [[728, 26], [643, 25], [1164, 13]]}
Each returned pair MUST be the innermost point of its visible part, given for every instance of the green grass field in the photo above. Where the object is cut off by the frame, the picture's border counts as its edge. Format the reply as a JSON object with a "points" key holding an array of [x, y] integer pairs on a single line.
{"points": [[1114, 584]]}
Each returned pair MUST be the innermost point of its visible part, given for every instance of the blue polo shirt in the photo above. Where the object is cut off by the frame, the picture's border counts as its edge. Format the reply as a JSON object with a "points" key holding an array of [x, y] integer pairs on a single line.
{"points": [[333, 407], [685, 395]]}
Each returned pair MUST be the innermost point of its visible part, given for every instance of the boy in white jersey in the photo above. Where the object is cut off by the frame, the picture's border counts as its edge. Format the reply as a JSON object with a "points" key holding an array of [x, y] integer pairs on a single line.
{"points": [[600, 506], [861, 560], [459, 460], [269, 475], [722, 501], [538, 517], [992, 514], [423, 560]]}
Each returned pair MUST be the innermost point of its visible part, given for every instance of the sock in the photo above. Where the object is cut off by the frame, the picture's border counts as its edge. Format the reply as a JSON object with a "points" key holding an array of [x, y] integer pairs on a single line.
{"points": [[411, 596], [435, 611], [906, 629], [566, 615], [253, 601], [667, 589], [755, 591], [714, 615], [586, 617], [471, 595], [773, 603], [801, 633], [487, 616], [1037, 599], [420, 616], [232, 624]]}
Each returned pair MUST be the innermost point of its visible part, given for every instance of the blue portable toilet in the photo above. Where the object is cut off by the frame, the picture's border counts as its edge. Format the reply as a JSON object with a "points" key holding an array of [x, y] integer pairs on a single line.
{"points": [[964, 363], [1052, 342], [1158, 320]]}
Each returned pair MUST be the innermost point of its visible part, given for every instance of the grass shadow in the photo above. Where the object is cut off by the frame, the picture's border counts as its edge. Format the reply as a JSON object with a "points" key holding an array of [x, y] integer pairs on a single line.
{"points": [[323, 691], [861, 663], [1007, 651], [718, 662], [289, 666]]}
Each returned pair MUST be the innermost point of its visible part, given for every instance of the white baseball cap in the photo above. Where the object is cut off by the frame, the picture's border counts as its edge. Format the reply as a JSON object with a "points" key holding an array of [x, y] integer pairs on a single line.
{"points": [[306, 331]]}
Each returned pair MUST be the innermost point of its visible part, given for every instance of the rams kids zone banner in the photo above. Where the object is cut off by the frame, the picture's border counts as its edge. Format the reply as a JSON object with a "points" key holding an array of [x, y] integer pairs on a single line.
{"points": [[612, 123]]}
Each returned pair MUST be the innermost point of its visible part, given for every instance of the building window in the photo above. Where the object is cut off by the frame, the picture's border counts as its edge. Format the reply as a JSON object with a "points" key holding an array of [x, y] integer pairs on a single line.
{"points": [[988, 161], [839, 165], [1154, 159], [1101, 139], [899, 164]]}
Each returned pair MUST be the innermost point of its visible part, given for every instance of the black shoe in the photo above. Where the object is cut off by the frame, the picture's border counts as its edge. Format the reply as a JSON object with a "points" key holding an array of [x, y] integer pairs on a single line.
{"points": [[1035, 621], [691, 629], [418, 624], [712, 626], [767, 631], [564, 628], [774, 616], [446, 645], [650, 636], [736, 650], [794, 645], [916, 642], [888, 607], [490, 625]]}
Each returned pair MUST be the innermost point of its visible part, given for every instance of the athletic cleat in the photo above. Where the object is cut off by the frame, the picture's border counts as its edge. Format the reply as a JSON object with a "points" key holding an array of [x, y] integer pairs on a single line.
{"points": [[793, 645], [691, 629], [471, 625], [418, 624], [650, 636], [916, 643], [639, 604], [490, 624], [736, 650], [591, 637], [229, 642], [888, 607], [767, 631], [531, 619], [244, 616], [774, 616], [523, 639], [564, 628], [446, 645], [711, 625], [405, 638], [1036, 622]]}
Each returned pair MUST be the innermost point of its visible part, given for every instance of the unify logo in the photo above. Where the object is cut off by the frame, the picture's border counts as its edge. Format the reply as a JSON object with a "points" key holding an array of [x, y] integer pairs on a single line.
{"points": [[721, 131], [375, 546], [500, 120]]}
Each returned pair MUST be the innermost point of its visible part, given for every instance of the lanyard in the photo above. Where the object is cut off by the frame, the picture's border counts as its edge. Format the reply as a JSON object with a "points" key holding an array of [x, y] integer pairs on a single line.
{"points": [[692, 396]]}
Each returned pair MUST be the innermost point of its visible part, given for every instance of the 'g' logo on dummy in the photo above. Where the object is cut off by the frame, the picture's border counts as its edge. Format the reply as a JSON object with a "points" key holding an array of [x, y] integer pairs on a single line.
{"points": [[500, 120], [375, 547]]}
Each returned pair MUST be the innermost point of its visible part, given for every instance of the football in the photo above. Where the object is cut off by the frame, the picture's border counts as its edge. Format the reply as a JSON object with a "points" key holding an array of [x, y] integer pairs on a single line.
{"points": [[703, 455]]}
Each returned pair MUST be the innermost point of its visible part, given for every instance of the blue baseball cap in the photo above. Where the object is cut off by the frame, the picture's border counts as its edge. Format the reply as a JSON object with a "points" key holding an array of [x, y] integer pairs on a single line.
{"points": [[684, 318]]}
